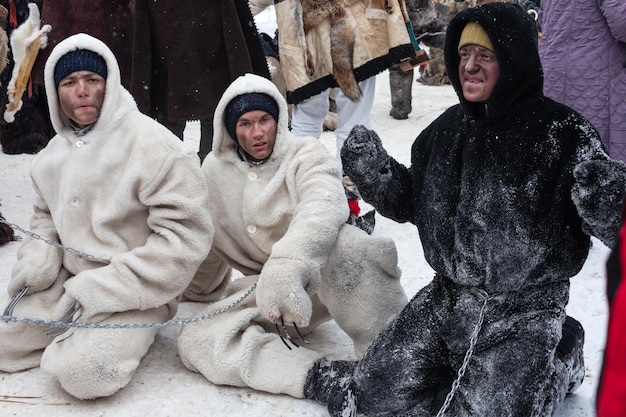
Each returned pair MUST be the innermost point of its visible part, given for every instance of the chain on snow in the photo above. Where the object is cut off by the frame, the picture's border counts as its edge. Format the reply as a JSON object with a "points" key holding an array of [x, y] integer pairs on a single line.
{"points": [[171, 323], [52, 323], [468, 354]]}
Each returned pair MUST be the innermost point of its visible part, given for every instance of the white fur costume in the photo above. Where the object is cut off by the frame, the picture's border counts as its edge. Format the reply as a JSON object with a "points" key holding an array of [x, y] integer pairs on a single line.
{"points": [[282, 224], [128, 190]]}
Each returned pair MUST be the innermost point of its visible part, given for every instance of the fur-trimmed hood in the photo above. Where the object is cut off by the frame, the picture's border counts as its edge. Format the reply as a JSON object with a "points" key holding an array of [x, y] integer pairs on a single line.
{"points": [[117, 100], [513, 34]]}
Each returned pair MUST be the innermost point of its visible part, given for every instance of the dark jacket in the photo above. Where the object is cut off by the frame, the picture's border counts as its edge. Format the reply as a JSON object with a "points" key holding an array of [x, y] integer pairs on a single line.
{"points": [[187, 52], [111, 21], [490, 183]]}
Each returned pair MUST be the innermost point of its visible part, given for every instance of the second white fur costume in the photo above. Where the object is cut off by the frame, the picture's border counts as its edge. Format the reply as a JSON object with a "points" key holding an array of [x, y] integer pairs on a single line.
{"points": [[282, 224]]}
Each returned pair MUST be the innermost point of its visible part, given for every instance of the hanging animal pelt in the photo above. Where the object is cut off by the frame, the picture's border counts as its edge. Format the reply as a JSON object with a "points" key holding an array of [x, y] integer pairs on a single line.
{"points": [[309, 14], [26, 41]]}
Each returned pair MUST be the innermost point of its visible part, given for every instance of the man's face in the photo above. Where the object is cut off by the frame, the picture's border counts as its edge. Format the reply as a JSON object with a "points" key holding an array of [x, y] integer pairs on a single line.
{"points": [[478, 71], [81, 95], [256, 133]]}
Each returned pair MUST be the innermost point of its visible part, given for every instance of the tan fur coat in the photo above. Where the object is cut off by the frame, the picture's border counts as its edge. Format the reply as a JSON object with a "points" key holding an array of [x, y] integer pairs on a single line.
{"points": [[376, 29]]}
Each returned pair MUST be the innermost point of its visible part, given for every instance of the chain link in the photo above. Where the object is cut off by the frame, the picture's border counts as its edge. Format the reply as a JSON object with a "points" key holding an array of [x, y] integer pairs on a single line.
{"points": [[171, 323], [52, 323], [102, 260], [468, 354]]}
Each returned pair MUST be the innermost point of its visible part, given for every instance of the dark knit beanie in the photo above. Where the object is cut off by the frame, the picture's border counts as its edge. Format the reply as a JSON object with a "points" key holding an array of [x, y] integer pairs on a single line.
{"points": [[245, 103], [79, 60]]}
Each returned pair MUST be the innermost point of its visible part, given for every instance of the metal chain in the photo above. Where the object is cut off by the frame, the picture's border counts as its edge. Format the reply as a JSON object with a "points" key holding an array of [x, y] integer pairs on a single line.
{"points": [[99, 259], [468, 354], [52, 323], [171, 323]]}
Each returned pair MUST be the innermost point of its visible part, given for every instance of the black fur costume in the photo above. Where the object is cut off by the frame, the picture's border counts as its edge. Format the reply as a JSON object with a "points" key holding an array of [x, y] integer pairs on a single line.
{"points": [[491, 189]]}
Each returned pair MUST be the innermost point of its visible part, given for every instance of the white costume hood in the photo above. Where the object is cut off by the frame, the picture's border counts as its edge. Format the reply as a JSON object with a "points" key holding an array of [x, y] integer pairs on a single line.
{"points": [[117, 100]]}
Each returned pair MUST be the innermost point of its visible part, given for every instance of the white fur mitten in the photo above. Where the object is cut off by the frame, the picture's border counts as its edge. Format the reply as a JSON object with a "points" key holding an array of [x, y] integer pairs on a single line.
{"points": [[37, 267], [68, 303], [283, 290]]}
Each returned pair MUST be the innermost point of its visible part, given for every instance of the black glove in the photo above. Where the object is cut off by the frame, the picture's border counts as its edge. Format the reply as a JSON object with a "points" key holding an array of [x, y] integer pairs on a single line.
{"points": [[363, 157], [598, 194]]}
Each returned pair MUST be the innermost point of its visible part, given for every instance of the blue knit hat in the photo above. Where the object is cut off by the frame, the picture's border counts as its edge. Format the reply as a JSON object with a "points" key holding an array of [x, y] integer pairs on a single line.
{"points": [[79, 60], [245, 103]]}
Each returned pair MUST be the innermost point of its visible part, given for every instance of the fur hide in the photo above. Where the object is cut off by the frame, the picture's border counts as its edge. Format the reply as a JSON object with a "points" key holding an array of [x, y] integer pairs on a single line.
{"points": [[309, 14], [26, 41], [31, 130]]}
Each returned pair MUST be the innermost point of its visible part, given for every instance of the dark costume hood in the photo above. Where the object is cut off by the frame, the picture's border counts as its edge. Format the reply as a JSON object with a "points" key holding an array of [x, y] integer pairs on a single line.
{"points": [[513, 33]]}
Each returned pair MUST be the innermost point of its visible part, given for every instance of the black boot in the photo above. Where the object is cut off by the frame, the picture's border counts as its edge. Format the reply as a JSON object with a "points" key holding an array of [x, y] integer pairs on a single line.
{"points": [[332, 384], [570, 351]]}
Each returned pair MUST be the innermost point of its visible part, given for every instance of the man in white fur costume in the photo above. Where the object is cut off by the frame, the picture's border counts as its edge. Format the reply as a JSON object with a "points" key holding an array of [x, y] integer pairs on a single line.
{"points": [[114, 184], [282, 212]]}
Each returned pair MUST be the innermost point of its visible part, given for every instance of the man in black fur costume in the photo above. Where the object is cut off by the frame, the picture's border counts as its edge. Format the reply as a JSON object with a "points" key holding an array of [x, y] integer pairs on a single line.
{"points": [[505, 189]]}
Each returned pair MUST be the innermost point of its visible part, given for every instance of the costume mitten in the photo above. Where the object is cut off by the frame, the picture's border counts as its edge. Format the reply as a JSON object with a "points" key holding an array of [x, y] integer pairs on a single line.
{"points": [[84, 312], [598, 193], [37, 267], [365, 160], [283, 290], [332, 383]]}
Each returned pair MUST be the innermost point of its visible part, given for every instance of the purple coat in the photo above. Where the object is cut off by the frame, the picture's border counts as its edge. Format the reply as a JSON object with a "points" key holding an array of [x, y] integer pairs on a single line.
{"points": [[583, 53]]}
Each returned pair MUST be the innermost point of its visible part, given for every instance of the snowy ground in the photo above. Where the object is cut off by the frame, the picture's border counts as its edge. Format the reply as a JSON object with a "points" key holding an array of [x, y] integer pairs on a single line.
{"points": [[163, 387]]}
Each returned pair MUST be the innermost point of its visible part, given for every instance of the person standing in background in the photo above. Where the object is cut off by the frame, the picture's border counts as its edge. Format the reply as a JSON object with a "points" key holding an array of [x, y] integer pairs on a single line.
{"points": [[583, 51], [185, 54], [336, 46], [429, 29]]}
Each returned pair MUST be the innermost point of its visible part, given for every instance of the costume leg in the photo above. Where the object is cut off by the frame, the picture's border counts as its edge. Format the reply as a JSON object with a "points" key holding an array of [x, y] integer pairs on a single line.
{"points": [[21, 345], [409, 369], [361, 285], [405, 368], [351, 113], [518, 376], [308, 115], [400, 84], [93, 363], [240, 348]]}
